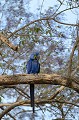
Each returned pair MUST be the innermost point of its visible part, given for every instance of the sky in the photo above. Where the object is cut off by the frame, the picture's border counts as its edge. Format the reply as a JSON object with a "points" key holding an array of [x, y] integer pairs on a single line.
{"points": [[71, 16]]}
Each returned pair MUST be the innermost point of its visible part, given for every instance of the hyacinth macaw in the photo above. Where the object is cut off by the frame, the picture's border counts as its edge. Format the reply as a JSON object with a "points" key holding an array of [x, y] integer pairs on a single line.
{"points": [[33, 67]]}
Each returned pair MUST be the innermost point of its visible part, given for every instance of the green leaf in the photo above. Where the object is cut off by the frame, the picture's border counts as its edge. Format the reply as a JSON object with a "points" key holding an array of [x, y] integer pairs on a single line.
{"points": [[37, 29], [0, 99], [0, 64], [47, 32], [23, 42]]}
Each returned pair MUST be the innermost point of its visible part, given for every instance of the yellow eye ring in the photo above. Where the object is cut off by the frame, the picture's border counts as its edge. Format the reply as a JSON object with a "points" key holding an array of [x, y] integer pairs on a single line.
{"points": [[35, 57]]}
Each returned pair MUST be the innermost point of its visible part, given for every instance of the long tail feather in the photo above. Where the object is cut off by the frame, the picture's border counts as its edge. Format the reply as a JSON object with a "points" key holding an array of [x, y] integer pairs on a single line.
{"points": [[32, 96]]}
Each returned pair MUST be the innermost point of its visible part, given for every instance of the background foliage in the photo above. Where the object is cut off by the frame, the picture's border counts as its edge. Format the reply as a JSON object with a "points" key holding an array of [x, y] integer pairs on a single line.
{"points": [[49, 33]]}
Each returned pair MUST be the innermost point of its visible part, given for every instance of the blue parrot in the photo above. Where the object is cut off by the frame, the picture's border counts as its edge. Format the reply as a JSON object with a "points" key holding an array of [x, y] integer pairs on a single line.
{"points": [[33, 67]]}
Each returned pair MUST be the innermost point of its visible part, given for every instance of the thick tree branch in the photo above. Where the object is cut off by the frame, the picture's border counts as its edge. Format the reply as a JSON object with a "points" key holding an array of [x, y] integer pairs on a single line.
{"points": [[12, 106], [24, 102], [53, 79], [71, 57], [6, 41], [9, 114], [42, 101]]}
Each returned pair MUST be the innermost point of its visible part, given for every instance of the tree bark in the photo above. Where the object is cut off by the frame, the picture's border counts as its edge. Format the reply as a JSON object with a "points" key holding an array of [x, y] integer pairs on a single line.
{"points": [[53, 79], [6, 41]]}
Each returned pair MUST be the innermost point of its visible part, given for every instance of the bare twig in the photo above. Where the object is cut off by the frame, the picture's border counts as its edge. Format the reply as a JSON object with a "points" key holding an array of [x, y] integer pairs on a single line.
{"points": [[57, 92], [41, 19]]}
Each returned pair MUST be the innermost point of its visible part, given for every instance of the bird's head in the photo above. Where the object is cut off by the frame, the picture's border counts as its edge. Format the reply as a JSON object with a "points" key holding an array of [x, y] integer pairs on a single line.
{"points": [[35, 56]]}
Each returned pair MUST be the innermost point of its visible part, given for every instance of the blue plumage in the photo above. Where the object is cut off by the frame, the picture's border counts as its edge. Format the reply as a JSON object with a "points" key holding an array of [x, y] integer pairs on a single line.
{"points": [[33, 67]]}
